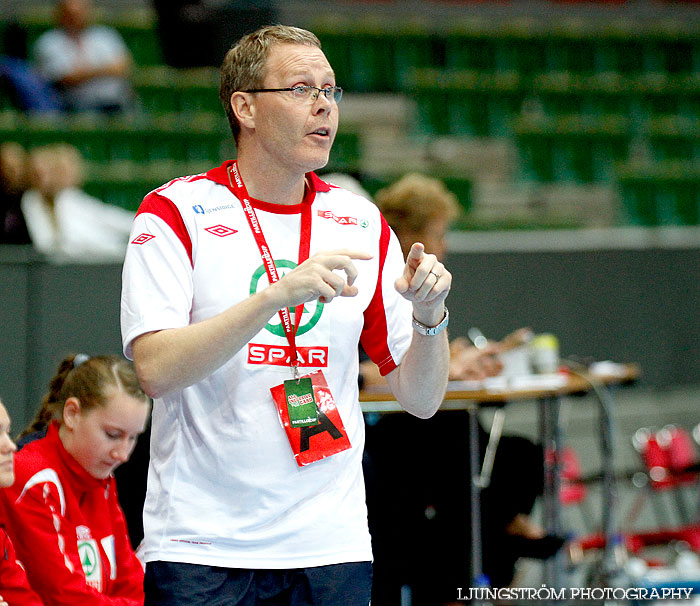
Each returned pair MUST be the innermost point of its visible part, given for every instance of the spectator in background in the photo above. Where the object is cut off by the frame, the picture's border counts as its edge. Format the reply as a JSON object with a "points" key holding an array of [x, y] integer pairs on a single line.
{"points": [[62, 512], [27, 90], [63, 219], [88, 64], [424, 542], [13, 160], [14, 585]]}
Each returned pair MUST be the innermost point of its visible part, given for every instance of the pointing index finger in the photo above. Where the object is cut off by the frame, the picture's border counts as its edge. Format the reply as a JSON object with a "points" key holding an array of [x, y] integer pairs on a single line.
{"points": [[416, 253], [353, 254]]}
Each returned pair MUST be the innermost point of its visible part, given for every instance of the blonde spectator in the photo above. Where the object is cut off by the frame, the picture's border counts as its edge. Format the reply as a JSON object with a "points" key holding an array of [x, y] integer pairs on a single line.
{"points": [[431, 559], [64, 220], [419, 208]]}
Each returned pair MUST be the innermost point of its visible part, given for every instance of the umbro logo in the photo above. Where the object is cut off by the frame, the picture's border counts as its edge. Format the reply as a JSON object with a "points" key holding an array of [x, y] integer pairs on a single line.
{"points": [[221, 230], [142, 238]]}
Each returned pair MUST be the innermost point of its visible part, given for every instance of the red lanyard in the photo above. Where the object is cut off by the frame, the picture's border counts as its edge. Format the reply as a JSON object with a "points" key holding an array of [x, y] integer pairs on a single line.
{"points": [[239, 190]]}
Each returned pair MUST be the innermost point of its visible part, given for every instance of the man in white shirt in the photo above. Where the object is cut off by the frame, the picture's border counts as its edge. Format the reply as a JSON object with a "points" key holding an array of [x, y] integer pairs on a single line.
{"points": [[246, 291], [88, 64]]}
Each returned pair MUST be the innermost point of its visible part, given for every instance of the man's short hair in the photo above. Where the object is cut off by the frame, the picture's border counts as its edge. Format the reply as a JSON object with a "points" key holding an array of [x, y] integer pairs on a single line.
{"points": [[244, 64], [414, 201]]}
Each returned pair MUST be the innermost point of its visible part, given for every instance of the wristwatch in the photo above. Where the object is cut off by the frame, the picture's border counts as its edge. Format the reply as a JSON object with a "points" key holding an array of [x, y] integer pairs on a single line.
{"points": [[430, 331]]}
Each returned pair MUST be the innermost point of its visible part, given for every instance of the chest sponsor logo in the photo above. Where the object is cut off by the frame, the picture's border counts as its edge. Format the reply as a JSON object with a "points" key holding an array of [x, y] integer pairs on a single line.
{"points": [[311, 312], [327, 214], [221, 230], [200, 210], [90, 560], [142, 238], [280, 355]]}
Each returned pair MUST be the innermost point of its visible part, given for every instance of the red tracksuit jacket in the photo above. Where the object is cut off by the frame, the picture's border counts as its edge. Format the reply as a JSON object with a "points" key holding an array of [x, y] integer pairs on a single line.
{"points": [[69, 530], [14, 587]]}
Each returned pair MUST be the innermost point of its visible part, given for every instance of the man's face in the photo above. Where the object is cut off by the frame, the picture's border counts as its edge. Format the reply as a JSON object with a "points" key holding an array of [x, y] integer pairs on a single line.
{"points": [[296, 134], [75, 14]]}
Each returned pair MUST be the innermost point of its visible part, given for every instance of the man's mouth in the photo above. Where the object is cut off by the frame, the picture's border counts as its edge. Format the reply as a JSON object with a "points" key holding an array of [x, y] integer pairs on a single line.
{"points": [[323, 132]]}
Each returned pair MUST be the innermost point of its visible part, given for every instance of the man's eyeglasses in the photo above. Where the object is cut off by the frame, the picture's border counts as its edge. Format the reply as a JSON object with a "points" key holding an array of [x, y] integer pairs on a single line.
{"points": [[304, 93]]}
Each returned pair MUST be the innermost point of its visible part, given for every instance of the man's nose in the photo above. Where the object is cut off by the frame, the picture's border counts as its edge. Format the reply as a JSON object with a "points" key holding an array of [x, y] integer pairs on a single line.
{"points": [[321, 101]]}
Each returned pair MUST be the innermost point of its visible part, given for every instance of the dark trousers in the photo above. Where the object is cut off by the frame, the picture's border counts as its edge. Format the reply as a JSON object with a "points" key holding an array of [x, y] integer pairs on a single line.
{"points": [[417, 478], [177, 584]]}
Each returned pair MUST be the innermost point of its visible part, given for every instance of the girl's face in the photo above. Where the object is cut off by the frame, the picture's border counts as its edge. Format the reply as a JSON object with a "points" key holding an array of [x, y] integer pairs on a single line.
{"points": [[103, 437], [7, 450]]}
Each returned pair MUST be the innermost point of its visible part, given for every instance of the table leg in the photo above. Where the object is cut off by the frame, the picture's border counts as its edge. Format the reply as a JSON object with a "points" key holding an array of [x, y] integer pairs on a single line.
{"points": [[550, 432], [477, 573], [613, 541]]}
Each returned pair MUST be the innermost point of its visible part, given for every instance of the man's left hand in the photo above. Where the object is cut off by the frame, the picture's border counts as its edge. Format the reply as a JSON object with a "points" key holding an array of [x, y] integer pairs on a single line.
{"points": [[426, 283]]}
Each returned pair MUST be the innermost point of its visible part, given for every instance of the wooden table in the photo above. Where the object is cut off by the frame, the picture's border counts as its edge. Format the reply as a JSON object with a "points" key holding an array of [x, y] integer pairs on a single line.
{"points": [[548, 391]]}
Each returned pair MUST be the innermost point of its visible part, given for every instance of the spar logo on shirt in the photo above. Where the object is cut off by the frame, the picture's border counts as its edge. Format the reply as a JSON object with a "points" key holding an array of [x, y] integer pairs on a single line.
{"points": [[327, 214], [279, 355], [89, 555]]}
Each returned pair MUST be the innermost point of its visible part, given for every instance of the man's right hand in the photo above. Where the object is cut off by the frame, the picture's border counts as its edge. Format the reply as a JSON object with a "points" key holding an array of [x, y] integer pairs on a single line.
{"points": [[315, 278]]}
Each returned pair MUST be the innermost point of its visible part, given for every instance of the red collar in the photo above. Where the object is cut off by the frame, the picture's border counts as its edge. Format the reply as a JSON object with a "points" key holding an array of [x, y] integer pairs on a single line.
{"points": [[80, 476], [220, 175]]}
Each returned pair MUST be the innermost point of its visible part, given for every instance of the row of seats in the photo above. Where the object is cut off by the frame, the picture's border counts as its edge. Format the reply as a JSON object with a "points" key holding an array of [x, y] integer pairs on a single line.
{"points": [[371, 54], [582, 105], [584, 148], [166, 89], [661, 193], [129, 155], [136, 138], [375, 57], [478, 103]]}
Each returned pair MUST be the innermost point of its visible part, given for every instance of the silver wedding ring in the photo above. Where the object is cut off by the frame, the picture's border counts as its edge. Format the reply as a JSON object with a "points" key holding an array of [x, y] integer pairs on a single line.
{"points": [[437, 277]]}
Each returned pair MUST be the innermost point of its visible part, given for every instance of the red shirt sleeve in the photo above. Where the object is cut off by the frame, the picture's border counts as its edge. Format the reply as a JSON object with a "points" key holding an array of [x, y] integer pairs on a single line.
{"points": [[46, 545], [375, 333], [14, 586]]}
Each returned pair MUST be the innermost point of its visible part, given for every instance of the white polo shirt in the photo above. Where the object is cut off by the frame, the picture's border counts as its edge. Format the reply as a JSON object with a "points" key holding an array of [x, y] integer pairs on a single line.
{"points": [[223, 486]]}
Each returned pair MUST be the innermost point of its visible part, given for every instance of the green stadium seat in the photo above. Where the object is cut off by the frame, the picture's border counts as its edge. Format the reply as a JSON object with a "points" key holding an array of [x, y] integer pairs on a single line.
{"points": [[576, 148], [571, 48], [163, 89], [143, 42], [415, 49], [471, 48], [665, 193], [674, 138], [566, 92], [466, 102]]}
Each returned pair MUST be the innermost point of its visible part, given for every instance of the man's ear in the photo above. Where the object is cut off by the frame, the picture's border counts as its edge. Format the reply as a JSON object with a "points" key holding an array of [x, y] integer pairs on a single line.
{"points": [[243, 108], [71, 411]]}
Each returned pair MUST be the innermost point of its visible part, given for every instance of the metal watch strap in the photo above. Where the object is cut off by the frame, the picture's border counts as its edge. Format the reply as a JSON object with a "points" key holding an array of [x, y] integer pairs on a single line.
{"points": [[430, 331]]}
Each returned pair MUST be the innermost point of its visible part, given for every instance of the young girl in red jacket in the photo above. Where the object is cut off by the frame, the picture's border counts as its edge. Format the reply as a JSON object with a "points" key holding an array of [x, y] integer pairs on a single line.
{"points": [[62, 512], [14, 586]]}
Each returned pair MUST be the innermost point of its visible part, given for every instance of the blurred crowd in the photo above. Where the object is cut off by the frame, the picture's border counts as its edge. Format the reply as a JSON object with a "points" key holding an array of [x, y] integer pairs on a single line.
{"points": [[42, 203], [81, 65]]}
